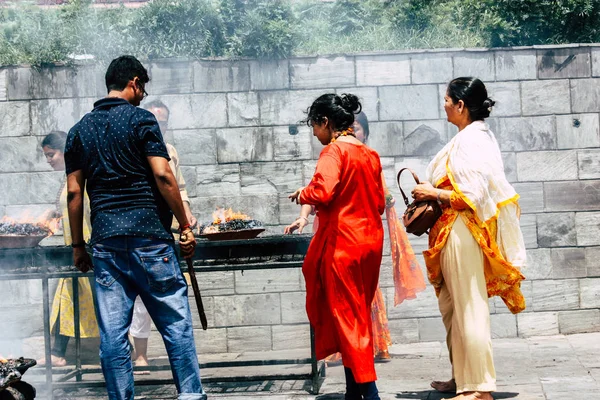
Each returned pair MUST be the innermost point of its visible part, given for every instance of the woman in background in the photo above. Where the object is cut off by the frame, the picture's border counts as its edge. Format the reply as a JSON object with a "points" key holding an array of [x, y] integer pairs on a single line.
{"points": [[62, 319], [476, 247]]}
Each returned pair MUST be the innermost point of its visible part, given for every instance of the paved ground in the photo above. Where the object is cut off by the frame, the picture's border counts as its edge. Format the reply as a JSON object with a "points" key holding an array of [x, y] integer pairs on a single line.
{"points": [[536, 368]]}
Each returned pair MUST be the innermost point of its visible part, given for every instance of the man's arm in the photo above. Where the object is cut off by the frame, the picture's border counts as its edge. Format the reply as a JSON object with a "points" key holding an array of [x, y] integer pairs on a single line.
{"points": [[75, 187], [167, 185]]}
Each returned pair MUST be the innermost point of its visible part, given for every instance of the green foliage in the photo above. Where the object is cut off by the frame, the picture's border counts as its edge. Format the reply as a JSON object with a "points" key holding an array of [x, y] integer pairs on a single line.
{"points": [[281, 28]]}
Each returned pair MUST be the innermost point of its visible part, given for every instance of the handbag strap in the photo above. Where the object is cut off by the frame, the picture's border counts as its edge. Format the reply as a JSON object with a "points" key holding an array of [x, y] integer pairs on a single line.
{"points": [[416, 178]]}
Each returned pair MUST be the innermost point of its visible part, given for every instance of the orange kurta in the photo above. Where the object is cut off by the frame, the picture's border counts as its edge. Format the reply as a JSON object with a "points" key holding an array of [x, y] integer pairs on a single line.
{"points": [[342, 264]]}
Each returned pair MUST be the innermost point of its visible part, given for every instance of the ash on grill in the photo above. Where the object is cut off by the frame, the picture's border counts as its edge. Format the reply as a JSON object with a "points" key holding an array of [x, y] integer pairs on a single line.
{"points": [[16, 228], [228, 221], [11, 385]]}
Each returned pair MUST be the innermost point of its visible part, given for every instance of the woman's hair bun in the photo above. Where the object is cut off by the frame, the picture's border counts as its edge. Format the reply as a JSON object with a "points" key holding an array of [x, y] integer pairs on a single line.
{"points": [[350, 103], [488, 103]]}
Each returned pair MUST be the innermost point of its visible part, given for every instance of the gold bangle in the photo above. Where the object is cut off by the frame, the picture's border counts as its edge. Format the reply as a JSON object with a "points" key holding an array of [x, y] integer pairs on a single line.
{"points": [[304, 218]]}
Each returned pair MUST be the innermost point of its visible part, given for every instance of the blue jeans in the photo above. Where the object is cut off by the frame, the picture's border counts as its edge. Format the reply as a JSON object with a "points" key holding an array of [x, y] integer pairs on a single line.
{"points": [[125, 267]]}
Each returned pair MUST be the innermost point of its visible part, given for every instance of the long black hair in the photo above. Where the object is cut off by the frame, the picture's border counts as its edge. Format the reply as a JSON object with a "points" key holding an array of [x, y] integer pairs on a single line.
{"points": [[56, 140], [362, 119], [474, 94], [339, 110]]}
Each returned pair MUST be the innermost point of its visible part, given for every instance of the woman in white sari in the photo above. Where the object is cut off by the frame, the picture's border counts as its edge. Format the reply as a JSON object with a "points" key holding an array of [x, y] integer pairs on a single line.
{"points": [[476, 248]]}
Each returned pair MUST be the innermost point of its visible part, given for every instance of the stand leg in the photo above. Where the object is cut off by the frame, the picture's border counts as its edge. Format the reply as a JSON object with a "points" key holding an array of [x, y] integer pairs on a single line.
{"points": [[47, 344], [76, 318]]}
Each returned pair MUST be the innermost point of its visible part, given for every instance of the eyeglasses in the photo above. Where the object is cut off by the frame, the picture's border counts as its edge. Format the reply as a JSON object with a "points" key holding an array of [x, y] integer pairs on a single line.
{"points": [[143, 89]]}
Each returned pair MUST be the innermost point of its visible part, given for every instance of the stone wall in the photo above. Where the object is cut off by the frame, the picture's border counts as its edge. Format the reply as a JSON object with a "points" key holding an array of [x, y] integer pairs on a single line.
{"points": [[233, 124]]}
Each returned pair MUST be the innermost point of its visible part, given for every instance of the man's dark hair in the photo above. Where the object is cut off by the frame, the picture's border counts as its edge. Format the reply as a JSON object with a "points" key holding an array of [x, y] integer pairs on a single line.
{"points": [[122, 70], [157, 104]]}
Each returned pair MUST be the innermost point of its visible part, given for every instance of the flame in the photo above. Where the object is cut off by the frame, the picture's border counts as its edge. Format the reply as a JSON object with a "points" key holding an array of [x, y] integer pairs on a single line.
{"points": [[48, 221], [3, 360], [223, 215]]}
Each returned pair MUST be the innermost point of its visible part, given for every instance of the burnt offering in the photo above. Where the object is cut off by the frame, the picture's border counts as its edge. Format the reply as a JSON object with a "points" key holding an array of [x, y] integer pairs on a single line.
{"points": [[23, 229], [11, 385], [228, 224]]}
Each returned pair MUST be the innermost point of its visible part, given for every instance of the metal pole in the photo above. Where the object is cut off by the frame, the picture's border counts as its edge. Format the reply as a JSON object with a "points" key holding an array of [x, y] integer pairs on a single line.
{"points": [[77, 332], [313, 363], [47, 344]]}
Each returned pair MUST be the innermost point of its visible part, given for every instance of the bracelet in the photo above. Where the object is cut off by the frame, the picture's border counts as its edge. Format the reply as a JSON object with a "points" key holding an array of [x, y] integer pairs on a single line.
{"points": [[184, 227], [304, 218], [439, 201], [78, 245]]}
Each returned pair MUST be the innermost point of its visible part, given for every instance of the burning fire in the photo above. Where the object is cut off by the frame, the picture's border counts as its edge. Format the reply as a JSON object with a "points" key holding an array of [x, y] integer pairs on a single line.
{"points": [[46, 224], [222, 215], [3, 360]]}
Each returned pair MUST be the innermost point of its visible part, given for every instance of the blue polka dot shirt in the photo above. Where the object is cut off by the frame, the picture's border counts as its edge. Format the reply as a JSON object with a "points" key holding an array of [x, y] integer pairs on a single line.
{"points": [[111, 145]]}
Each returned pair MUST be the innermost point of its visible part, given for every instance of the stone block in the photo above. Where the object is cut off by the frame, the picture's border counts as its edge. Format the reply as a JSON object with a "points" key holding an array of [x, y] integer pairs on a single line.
{"points": [[267, 281], [14, 187], [547, 166], [221, 76], [507, 96], [537, 324], [21, 321], [545, 97], [293, 308], [196, 146], [255, 309], [22, 154], [290, 337], [516, 65], [592, 255], [588, 228], [526, 133], [380, 70], [577, 131], [171, 78], [531, 196], [424, 138], [322, 72], [582, 321], [590, 293], [52, 83], [288, 147], [425, 305], [43, 187], [386, 138], [196, 111], [510, 166], [237, 145], [409, 102], [218, 283], [503, 326], [404, 330], [190, 176], [264, 208], [539, 264], [286, 107], [596, 61], [589, 164], [242, 108], [571, 62], [432, 330], [585, 95], [556, 230], [210, 341], [218, 180], [554, 295], [477, 64], [16, 293], [14, 118], [271, 178], [569, 263], [431, 68], [209, 309], [572, 196], [529, 230], [249, 338], [3, 85], [269, 74], [369, 99], [57, 114]]}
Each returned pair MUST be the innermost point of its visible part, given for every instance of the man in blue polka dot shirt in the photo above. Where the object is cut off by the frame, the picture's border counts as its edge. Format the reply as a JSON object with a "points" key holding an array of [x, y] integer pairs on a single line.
{"points": [[117, 153]]}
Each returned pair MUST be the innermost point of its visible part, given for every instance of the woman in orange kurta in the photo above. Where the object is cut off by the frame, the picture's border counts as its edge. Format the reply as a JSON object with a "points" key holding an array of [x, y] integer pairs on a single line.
{"points": [[341, 268], [476, 247]]}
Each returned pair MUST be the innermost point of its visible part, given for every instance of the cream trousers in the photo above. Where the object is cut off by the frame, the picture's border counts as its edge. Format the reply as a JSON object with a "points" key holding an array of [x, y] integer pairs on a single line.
{"points": [[465, 311]]}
